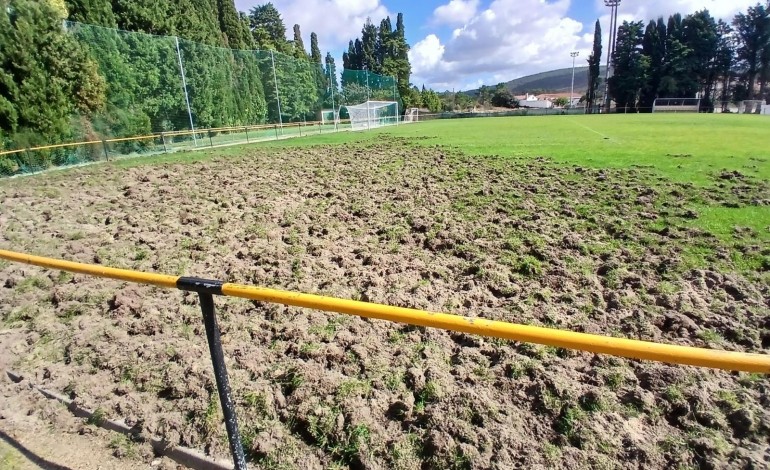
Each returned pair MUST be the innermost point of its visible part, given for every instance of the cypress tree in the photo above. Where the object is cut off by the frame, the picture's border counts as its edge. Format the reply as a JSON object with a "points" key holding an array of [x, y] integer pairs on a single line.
{"points": [[315, 52], [299, 45], [594, 67]]}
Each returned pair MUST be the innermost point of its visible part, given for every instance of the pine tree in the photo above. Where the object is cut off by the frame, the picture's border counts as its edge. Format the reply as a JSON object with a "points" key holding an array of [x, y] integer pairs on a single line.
{"points": [[594, 68], [630, 66], [369, 47], [753, 33], [400, 55], [230, 25], [40, 91], [98, 12], [315, 52], [299, 45], [654, 48], [385, 47], [268, 28]]}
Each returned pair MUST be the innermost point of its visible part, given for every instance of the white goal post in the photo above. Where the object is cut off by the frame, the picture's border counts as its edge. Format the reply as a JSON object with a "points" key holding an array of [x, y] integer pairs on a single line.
{"points": [[412, 115], [676, 105], [330, 116], [371, 114]]}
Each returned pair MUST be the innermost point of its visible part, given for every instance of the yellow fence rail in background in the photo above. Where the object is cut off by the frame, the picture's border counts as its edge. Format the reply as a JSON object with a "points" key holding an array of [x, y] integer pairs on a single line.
{"points": [[634, 349]]}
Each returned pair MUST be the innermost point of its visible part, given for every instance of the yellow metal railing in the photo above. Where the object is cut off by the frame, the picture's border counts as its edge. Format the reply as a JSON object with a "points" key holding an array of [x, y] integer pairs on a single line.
{"points": [[163, 135], [634, 349]]}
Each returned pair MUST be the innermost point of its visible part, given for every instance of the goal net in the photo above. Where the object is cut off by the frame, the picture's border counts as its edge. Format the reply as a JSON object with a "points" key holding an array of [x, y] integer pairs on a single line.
{"points": [[676, 105], [371, 114], [412, 115], [329, 116]]}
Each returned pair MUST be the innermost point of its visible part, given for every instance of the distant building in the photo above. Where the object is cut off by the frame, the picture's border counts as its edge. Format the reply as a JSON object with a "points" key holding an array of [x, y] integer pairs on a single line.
{"points": [[532, 101]]}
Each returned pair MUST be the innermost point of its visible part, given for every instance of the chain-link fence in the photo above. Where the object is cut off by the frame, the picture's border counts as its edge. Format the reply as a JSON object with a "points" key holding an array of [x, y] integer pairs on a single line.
{"points": [[165, 93]]}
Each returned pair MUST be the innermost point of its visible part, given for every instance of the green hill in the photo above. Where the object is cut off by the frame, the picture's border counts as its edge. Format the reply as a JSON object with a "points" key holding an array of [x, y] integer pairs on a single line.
{"points": [[553, 81]]}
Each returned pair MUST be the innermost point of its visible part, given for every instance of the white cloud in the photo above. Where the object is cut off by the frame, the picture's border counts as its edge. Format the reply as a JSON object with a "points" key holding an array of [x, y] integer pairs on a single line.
{"points": [[334, 21], [651, 9], [456, 12], [510, 38]]}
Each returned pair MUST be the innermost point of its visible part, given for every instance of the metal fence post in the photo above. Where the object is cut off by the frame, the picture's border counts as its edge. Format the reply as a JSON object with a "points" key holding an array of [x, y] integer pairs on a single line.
{"points": [[247, 133], [106, 151], [277, 95], [163, 138], [205, 289], [184, 86]]}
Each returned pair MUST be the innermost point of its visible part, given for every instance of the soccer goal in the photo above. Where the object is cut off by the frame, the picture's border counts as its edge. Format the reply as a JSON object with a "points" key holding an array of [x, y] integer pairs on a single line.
{"points": [[412, 115], [330, 116], [371, 114], [676, 105]]}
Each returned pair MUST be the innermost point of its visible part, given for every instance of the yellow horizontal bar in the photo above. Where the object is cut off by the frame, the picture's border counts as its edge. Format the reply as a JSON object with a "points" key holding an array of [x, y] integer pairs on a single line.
{"points": [[141, 137], [10, 152], [161, 280], [630, 348]]}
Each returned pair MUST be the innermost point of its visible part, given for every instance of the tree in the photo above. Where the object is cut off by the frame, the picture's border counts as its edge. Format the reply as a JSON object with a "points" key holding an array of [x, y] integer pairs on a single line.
{"points": [[232, 28], [561, 102], [369, 47], [431, 100], [315, 52], [654, 49], [267, 28], [503, 98], [97, 12], [753, 34], [702, 39], [299, 46], [594, 67], [630, 65], [39, 92]]}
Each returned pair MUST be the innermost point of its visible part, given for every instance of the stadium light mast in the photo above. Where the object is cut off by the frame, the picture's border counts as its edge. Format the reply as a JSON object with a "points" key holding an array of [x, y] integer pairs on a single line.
{"points": [[613, 4], [572, 88], [368, 111]]}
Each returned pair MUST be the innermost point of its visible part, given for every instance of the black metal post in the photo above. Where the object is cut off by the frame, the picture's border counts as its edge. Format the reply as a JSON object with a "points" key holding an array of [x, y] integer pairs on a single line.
{"points": [[247, 134], [106, 152], [211, 141], [223, 383], [206, 289], [163, 138], [276, 131]]}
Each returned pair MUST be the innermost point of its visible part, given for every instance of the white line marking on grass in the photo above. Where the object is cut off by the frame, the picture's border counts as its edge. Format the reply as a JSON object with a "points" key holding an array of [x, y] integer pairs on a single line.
{"points": [[588, 128]]}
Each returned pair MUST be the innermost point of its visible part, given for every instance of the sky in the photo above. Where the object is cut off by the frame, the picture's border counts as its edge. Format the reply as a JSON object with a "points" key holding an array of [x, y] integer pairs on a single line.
{"points": [[462, 44]]}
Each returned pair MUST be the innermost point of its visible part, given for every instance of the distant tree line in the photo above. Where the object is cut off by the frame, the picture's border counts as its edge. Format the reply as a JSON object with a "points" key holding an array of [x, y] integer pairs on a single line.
{"points": [[688, 56]]}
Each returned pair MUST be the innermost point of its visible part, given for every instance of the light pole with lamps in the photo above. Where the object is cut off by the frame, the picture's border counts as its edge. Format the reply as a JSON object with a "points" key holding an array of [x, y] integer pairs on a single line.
{"points": [[572, 89], [613, 4]]}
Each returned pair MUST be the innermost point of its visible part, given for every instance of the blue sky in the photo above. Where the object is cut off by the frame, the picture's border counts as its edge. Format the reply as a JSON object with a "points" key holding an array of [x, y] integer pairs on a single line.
{"points": [[461, 44]]}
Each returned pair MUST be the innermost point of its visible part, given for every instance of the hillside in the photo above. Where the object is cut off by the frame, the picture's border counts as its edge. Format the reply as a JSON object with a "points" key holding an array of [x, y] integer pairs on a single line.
{"points": [[553, 81]]}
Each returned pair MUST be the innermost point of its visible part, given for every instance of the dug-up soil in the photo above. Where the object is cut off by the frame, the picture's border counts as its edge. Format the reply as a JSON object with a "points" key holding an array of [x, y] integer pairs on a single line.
{"points": [[522, 240]]}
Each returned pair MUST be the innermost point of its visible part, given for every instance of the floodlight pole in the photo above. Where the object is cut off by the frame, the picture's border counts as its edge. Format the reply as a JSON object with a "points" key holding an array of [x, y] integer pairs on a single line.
{"points": [[368, 112], [395, 80], [613, 4], [331, 89], [277, 96], [572, 89], [184, 86]]}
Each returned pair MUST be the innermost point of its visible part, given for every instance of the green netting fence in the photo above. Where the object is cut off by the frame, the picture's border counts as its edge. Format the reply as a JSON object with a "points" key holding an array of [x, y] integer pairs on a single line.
{"points": [[165, 93]]}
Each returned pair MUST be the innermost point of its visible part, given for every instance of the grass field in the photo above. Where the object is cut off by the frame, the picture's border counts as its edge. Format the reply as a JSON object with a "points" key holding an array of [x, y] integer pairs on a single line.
{"points": [[651, 227]]}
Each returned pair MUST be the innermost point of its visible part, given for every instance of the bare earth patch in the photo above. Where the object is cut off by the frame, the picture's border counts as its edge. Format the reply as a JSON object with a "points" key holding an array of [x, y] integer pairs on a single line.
{"points": [[520, 240]]}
